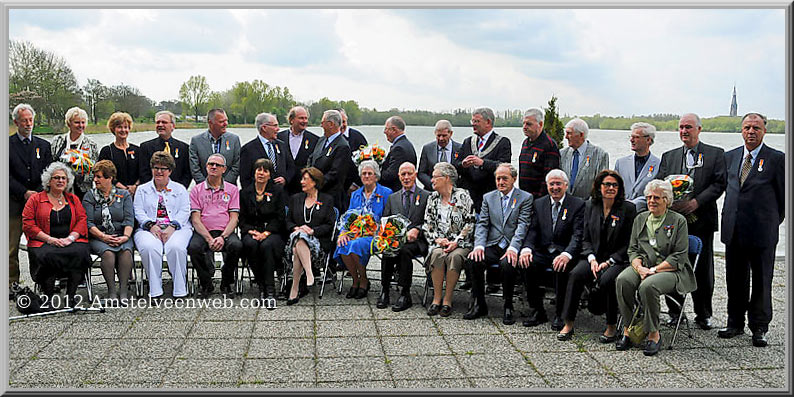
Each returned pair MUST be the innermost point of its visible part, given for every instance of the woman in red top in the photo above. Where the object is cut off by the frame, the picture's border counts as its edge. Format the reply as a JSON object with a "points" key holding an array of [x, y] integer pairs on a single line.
{"points": [[54, 223]]}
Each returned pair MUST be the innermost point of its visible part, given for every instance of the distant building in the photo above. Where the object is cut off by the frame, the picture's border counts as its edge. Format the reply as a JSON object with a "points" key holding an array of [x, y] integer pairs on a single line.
{"points": [[734, 106]]}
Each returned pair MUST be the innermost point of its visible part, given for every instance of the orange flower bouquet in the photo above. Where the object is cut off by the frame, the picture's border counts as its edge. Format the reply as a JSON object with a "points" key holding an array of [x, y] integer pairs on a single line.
{"points": [[391, 235], [79, 160], [682, 188], [358, 223], [371, 152]]}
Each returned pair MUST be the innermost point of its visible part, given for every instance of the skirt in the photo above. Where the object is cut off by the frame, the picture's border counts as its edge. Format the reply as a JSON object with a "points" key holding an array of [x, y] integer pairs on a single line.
{"points": [[98, 247], [314, 247], [49, 260], [359, 246]]}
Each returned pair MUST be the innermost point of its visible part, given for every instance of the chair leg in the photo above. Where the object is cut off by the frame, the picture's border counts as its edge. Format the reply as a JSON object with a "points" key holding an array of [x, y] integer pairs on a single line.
{"points": [[88, 286]]}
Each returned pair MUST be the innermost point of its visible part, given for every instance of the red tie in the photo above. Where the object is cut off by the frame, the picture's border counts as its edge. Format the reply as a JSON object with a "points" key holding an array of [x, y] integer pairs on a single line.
{"points": [[481, 144]]}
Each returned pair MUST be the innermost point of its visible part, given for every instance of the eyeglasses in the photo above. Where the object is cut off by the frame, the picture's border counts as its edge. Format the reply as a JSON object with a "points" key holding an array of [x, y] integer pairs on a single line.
{"points": [[609, 184], [632, 136], [219, 165], [161, 169], [271, 124], [59, 178]]}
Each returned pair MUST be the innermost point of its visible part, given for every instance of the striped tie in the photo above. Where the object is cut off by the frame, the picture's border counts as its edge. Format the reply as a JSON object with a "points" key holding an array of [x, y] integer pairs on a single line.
{"points": [[481, 144], [748, 164]]}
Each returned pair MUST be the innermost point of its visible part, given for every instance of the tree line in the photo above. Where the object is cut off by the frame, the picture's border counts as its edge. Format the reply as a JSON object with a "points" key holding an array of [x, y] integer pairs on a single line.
{"points": [[45, 80]]}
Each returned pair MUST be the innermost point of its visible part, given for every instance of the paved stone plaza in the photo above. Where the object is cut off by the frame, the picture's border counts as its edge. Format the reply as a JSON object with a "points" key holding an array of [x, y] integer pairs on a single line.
{"points": [[334, 343]]}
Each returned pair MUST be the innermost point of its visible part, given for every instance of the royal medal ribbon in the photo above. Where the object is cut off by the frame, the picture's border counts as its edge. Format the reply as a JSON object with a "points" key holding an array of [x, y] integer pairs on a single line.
{"points": [[227, 145], [176, 152], [587, 161], [760, 164], [306, 146], [534, 156], [564, 213], [39, 156], [650, 170]]}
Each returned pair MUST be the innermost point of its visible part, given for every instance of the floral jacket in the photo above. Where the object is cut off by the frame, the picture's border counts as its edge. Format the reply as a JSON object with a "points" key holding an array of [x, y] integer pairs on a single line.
{"points": [[461, 222]]}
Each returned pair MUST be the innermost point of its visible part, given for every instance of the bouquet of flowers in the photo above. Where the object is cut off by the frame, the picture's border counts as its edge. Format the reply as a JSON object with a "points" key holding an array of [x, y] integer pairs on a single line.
{"points": [[682, 188], [391, 235], [358, 223], [371, 152], [79, 160]]}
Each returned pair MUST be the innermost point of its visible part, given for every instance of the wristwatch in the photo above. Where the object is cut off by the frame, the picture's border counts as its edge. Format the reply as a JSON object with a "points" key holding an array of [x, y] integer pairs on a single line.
{"points": [[653, 270], [611, 261]]}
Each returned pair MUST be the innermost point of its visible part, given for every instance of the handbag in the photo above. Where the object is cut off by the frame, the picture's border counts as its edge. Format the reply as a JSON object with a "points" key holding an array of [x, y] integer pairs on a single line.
{"points": [[636, 329]]}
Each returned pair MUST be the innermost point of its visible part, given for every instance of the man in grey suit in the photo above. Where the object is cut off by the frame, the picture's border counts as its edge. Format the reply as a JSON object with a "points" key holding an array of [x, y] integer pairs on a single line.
{"points": [[215, 140], [331, 156], [639, 168], [401, 150], [505, 217], [581, 160], [411, 202], [443, 149]]}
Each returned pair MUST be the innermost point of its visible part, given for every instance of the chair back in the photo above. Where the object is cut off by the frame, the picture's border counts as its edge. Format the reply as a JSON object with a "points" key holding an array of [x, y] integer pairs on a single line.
{"points": [[695, 247]]}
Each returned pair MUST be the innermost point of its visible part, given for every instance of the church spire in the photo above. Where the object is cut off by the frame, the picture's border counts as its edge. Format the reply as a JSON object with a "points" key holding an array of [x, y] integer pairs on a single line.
{"points": [[734, 106]]}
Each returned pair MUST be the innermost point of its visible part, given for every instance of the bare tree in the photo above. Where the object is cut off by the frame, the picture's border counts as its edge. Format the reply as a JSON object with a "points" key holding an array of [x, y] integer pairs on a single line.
{"points": [[194, 94]]}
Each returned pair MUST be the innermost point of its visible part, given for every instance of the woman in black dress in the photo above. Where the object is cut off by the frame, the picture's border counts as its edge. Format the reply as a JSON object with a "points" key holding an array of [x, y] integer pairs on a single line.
{"points": [[121, 153]]}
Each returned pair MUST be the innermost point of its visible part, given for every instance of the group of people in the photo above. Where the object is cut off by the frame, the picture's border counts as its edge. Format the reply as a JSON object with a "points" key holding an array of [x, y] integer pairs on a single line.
{"points": [[561, 216]]}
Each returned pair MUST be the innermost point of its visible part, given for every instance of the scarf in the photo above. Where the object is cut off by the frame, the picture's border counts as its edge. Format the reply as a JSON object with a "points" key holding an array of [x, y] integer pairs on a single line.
{"points": [[107, 221]]}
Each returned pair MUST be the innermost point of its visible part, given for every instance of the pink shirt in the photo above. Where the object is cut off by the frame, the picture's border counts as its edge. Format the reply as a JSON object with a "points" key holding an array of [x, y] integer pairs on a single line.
{"points": [[215, 205]]}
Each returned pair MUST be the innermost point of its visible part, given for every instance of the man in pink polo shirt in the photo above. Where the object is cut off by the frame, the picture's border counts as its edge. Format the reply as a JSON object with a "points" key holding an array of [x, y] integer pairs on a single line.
{"points": [[214, 212]]}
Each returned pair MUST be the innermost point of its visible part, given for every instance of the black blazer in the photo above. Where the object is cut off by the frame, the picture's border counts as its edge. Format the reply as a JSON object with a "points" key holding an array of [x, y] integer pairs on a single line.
{"points": [[355, 139], [322, 218], [710, 182], [253, 151], [618, 225], [753, 211], [480, 180], [428, 159], [181, 152], [266, 215], [401, 150], [127, 167], [566, 236], [334, 162], [301, 160], [25, 168], [416, 211]]}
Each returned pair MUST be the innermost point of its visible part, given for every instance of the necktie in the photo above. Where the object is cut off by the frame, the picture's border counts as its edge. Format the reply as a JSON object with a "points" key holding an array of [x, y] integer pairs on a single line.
{"points": [[574, 166], [270, 154], [217, 146], [25, 141], [555, 212], [167, 147], [443, 157], [480, 144], [748, 164], [504, 205], [406, 202]]}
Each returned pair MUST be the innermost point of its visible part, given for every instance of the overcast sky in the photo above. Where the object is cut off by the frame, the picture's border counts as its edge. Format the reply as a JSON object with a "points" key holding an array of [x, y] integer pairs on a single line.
{"points": [[613, 62]]}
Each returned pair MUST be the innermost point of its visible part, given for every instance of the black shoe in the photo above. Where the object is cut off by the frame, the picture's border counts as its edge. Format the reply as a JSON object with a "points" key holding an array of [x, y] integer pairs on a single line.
{"points": [[651, 347], [704, 323], [557, 324], [446, 311], [759, 339], [291, 302], [403, 303], [205, 293], [607, 339], [730, 332], [466, 285], [508, 318], [563, 336], [226, 289], [362, 292], [383, 299], [536, 318], [353, 292], [624, 343], [433, 309], [492, 288], [477, 310], [673, 319]]}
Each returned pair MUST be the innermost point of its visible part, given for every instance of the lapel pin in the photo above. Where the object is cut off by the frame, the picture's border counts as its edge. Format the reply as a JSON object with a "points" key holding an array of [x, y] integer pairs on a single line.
{"points": [[760, 165], [564, 213], [650, 171], [306, 146], [417, 200], [534, 156], [38, 156], [514, 204], [132, 154], [329, 152], [227, 145], [278, 150], [176, 152], [587, 161]]}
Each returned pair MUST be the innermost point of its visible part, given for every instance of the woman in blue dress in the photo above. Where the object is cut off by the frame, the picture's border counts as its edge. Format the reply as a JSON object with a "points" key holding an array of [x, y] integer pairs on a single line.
{"points": [[354, 253]]}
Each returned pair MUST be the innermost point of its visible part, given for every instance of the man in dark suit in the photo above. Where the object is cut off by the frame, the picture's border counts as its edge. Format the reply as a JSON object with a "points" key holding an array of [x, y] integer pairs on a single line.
{"points": [[356, 140], [28, 156], [266, 145], [301, 143], [553, 240], [504, 218], [331, 155], [480, 154], [215, 140], [706, 165], [539, 155], [443, 149], [753, 210], [165, 122], [401, 151], [411, 202]]}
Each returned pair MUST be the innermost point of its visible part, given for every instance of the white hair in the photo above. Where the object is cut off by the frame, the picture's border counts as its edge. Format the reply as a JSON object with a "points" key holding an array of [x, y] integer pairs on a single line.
{"points": [[648, 129], [263, 118], [46, 176], [75, 111], [536, 113], [333, 116], [664, 186], [369, 164], [579, 126], [25, 106], [443, 125], [557, 173]]}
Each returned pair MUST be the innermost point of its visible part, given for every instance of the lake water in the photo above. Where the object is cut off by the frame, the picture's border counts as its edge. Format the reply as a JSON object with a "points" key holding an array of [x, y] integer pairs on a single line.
{"points": [[616, 143]]}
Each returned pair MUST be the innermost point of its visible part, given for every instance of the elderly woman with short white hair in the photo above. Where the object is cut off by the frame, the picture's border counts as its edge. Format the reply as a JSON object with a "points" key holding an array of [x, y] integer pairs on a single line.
{"points": [[76, 139], [658, 254]]}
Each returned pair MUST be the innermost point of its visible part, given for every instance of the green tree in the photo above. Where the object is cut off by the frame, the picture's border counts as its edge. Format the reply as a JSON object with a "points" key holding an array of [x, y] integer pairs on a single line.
{"points": [[195, 94], [552, 124], [129, 99]]}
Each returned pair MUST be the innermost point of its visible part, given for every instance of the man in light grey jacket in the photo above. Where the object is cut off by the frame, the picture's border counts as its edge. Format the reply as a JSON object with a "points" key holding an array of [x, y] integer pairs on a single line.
{"points": [[215, 140], [581, 160], [641, 167]]}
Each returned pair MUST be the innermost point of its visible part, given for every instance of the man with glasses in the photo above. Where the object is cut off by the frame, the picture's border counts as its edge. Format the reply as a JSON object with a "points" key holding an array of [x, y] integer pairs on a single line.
{"points": [[165, 122], [215, 141], [401, 151], [332, 157], [442, 150], [266, 145], [214, 213], [480, 154], [706, 165], [641, 167]]}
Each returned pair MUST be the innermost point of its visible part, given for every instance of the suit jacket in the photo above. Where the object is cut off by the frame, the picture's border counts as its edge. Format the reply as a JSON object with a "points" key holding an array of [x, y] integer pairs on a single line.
{"points": [[25, 168], [401, 150], [416, 211], [333, 161], [673, 248], [618, 231], [635, 187], [201, 149], [355, 139], [593, 161], [480, 180], [429, 158], [710, 182], [301, 160], [566, 236], [253, 151], [753, 211], [181, 152], [321, 219], [492, 226]]}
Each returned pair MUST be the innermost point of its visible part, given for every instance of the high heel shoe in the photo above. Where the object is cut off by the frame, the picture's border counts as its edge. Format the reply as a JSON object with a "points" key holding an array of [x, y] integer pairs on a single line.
{"points": [[362, 292], [352, 293], [293, 301]]}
